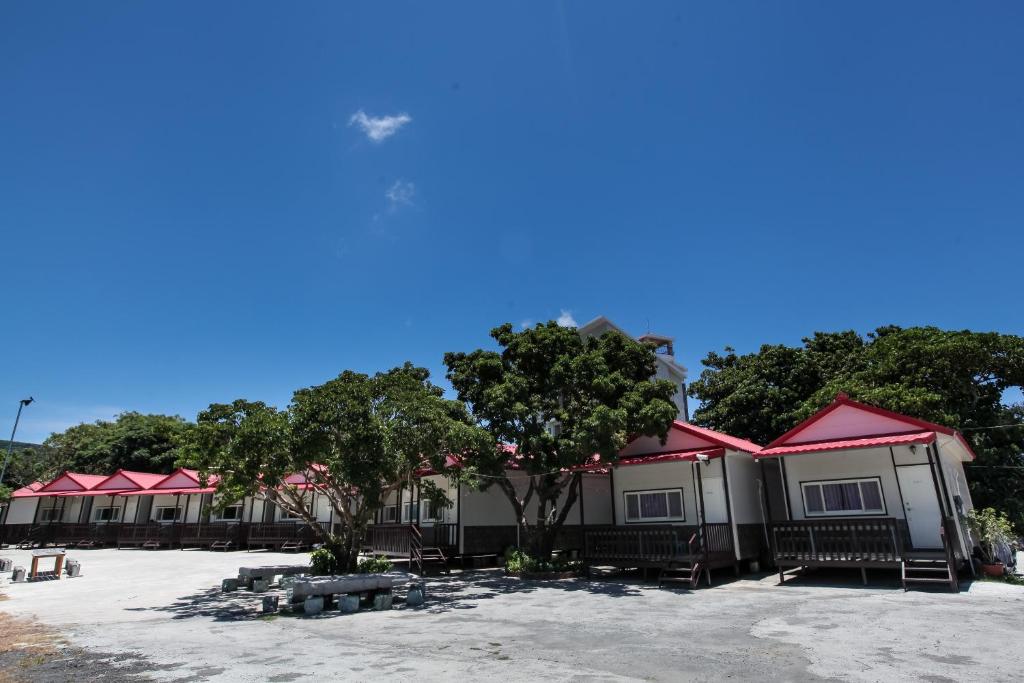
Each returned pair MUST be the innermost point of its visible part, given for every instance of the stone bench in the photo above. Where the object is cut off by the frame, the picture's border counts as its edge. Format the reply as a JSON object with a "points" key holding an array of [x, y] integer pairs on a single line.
{"points": [[347, 584], [247, 575]]}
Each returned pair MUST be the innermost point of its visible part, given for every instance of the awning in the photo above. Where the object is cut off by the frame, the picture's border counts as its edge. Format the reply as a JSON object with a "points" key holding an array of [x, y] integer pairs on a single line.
{"points": [[688, 455], [882, 441], [168, 492]]}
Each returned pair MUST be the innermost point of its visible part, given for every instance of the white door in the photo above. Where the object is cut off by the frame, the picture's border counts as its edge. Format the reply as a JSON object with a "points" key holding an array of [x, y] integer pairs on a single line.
{"points": [[920, 505]]}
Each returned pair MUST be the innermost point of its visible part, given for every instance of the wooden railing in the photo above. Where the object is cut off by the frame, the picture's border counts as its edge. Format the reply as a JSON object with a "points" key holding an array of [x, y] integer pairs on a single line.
{"points": [[269, 533], [389, 539], [649, 544], [875, 540]]}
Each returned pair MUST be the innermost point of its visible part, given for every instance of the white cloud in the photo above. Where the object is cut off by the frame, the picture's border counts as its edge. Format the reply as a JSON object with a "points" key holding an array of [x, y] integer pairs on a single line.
{"points": [[566, 319], [400, 193], [379, 128], [526, 324]]}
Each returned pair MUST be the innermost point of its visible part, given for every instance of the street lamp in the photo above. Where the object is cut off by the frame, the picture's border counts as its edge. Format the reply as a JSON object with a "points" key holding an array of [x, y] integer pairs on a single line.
{"points": [[10, 444]]}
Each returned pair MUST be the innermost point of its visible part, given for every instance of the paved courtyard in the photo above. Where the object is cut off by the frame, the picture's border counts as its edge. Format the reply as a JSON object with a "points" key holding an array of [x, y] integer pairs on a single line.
{"points": [[162, 613]]}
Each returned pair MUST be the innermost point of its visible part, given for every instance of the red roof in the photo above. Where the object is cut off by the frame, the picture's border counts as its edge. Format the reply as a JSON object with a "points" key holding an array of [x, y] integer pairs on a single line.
{"points": [[720, 438], [846, 444], [142, 480], [83, 481], [168, 492], [688, 455], [28, 491], [925, 432]]}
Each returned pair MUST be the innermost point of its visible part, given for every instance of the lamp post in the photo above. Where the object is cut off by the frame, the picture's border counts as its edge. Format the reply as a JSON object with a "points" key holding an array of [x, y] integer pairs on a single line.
{"points": [[10, 444]]}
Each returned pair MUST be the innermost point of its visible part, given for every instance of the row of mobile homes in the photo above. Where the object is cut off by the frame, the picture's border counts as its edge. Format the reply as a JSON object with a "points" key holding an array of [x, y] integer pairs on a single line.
{"points": [[853, 486]]}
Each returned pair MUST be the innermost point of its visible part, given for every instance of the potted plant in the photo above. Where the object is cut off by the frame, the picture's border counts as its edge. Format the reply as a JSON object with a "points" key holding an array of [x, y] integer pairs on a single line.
{"points": [[990, 528]]}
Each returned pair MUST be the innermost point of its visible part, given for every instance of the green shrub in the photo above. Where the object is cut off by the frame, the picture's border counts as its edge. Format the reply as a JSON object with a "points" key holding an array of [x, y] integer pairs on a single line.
{"points": [[519, 562], [375, 565], [989, 527], [323, 562]]}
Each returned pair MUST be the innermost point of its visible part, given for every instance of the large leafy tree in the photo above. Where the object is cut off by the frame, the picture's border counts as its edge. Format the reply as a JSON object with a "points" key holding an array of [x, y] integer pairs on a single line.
{"points": [[955, 378], [552, 401], [132, 441], [352, 441]]}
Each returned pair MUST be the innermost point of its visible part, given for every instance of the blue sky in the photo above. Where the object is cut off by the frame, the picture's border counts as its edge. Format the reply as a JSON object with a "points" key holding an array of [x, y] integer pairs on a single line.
{"points": [[190, 213]]}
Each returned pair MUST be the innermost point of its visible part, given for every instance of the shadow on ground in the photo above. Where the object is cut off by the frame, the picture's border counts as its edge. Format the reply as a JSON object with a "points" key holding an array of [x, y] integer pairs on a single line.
{"points": [[462, 590]]}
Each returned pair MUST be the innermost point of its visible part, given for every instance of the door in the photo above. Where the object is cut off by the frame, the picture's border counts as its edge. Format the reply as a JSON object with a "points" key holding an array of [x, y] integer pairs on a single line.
{"points": [[920, 505]]}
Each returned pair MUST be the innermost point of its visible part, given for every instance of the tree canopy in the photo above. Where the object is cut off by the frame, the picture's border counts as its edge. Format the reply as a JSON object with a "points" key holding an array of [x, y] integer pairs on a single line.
{"points": [[353, 440], [558, 400], [132, 441], [954, 378]]}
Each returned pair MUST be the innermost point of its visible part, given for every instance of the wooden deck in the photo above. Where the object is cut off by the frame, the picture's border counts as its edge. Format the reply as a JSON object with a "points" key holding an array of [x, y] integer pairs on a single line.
{"points": [[847, 542], [659, 546]]}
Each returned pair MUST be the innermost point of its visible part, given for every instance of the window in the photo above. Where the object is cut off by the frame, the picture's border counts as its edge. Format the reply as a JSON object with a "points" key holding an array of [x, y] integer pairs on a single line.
{"points": [[390, 513], [232, 513], [665, 505], [107, 514], [49, 515], [409, 511], [167, 514], [843, 497], [287, 516]]}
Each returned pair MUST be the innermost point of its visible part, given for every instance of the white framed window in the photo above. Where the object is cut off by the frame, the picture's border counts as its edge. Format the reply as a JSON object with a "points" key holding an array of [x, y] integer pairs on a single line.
{"points": [[843, 497], [167, 514], [389, 514], [106, 514], [426, 511], [408, 512], [658, 505], [49, 515], [232, 513], [287, 516]]}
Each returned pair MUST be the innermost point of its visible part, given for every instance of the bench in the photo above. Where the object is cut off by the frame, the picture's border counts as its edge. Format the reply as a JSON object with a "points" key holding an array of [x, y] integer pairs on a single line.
{"points": [[348, 584], [57, 554], [247, 575]]}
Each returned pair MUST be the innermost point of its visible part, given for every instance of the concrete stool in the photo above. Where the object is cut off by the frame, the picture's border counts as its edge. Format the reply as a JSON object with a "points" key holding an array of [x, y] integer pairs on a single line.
{"points": [[313, 605], [382, 601], [73, 568], [269, 604], [260, 586], [18, 575], [348, 603], [228, 585], [415, 596], [6, 564]]}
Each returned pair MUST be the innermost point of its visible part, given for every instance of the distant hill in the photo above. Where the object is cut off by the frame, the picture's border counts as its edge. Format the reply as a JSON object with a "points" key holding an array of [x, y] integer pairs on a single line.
{"points": [[18, 445]]}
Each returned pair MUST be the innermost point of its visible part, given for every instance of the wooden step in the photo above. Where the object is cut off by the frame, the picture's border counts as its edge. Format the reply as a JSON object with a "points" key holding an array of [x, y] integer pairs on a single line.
{"points": [[921, 579]]}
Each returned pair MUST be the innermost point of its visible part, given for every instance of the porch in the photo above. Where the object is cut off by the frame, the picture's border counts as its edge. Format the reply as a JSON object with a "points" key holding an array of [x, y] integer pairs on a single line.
{"points": [[662, 546], [874, 543]]}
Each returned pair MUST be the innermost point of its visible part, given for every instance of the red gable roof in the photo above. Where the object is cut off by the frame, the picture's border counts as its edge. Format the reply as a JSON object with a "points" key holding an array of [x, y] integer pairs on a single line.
{"points": [[81, 482], [141, 480], [720, 438], [896, 429], [28, 491]]}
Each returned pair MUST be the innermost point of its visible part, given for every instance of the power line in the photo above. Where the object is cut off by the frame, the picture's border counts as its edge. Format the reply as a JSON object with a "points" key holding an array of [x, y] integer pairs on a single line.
{"points": [[973, 429]]}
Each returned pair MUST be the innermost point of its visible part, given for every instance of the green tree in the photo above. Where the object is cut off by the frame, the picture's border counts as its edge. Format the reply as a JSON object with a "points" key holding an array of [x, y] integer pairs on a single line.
{"points": [[355, 439], [955, 378], [559, 400], [132, 441]]}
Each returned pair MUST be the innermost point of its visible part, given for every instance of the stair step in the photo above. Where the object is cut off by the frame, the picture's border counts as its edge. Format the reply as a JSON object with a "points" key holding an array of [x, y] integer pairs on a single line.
{"points": [[921, 579], [944, 569]]}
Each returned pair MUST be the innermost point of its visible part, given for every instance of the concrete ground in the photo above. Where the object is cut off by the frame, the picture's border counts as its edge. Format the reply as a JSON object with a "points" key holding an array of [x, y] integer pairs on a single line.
{"points": [[162, 613]]}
